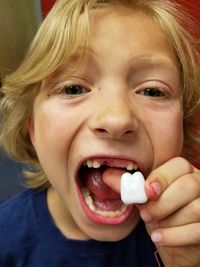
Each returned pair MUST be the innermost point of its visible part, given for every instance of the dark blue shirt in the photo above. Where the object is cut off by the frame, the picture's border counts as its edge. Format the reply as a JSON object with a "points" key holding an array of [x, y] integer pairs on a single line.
{"points": [[28, 237]]}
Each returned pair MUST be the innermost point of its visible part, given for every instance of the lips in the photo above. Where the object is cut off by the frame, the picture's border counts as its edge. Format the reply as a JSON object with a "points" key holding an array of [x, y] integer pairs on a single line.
{"points": [[99, 202]]}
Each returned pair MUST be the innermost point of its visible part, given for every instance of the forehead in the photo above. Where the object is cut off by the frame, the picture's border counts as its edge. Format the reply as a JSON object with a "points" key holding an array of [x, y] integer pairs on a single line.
{"points": [[127, 29], [126, 36]]}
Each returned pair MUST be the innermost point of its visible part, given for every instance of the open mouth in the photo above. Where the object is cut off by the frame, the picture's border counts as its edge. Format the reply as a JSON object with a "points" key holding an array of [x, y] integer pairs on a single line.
{"points": [[101, 203]]}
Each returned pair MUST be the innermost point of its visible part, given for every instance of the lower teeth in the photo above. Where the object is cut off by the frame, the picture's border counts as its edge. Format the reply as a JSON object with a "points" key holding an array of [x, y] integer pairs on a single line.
{"points": [[89, 201]]}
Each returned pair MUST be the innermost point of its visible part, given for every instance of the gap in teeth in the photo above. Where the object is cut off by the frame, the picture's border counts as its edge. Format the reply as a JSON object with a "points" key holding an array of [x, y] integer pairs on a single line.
{"points": [[90, 203], [95, 164]]}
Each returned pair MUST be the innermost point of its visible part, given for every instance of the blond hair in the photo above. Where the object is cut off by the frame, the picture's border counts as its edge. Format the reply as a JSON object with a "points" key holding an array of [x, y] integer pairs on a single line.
{"points": [[68, 26]]}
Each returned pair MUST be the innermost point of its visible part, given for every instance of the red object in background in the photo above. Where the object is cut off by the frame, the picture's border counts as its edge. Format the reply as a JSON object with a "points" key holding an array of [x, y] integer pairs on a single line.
{"points": [[46, 6], [193, 6]]}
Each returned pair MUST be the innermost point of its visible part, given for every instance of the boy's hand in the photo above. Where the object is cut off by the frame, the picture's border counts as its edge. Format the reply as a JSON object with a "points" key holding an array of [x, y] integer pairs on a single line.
{"points": [[172, 215]]}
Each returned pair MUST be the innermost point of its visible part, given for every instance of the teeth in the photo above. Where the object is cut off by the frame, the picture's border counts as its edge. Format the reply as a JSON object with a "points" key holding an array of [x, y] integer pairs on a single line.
{"points": [[89, 201], [92, 164], [95, 164], [132, 166], [89, 163]]}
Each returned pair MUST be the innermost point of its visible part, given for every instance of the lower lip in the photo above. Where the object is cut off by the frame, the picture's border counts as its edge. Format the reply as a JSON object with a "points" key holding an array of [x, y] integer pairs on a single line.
{"points": [[101, 219]]}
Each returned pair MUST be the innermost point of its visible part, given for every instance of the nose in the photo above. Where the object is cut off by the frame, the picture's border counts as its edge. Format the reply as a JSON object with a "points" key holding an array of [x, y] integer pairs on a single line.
{"points": [[114, 118]]}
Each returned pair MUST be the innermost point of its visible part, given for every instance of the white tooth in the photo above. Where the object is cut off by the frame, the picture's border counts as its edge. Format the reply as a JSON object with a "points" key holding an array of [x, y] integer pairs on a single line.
{"points": [[111, 213], [88, 198], [89, 201], [89, 164], [132, 166], [96, 164], [85, 192], [135, 166]]}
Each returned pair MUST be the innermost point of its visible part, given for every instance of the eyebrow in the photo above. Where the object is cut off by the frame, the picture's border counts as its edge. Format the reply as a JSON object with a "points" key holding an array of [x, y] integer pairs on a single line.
{"points": [[143, 60], [138, 63], [150, 60]]}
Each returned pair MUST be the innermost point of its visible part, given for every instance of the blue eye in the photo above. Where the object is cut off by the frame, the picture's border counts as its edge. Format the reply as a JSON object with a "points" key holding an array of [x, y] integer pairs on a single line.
{"points": [[153, 92]]}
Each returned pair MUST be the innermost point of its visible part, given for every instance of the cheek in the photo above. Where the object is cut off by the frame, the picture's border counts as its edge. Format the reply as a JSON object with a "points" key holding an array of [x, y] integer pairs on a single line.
{"points": [[167, 136], [53, 128], [51, 144], [52, 139]]}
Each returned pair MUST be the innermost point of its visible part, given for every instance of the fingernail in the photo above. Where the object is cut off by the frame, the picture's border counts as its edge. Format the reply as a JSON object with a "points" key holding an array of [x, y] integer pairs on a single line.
{"points": [[157, 237], [146, 217], [155, 190]]}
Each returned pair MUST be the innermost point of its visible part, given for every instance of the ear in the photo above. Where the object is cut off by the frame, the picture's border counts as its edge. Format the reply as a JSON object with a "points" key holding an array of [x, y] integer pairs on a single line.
{"points": [[31, 130]]}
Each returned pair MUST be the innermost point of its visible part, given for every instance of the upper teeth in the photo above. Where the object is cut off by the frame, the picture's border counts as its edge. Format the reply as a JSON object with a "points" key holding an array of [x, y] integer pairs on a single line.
{"points": [[95, 164], [132, 166], [92, 164]]}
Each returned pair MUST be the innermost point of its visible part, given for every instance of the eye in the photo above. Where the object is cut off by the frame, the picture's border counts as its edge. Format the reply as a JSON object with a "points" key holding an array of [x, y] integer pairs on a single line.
{"points": [[152, 92], [74, 90]]}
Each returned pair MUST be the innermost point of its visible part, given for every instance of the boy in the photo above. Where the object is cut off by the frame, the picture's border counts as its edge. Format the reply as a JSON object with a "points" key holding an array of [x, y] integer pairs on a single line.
{"points": [[107, 87]]}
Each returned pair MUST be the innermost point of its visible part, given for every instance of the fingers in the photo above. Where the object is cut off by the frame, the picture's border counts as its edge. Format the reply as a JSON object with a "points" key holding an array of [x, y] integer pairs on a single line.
{"points": [[112, 178], [182, 228], [185, 235], [158, 180], [188, 214], [172, 215], [179, 194], [180, 256], [162, 177]]}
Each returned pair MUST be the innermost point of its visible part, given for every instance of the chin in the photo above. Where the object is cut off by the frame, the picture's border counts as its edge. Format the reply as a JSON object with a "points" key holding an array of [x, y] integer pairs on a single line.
{"points": [[111, 233]]}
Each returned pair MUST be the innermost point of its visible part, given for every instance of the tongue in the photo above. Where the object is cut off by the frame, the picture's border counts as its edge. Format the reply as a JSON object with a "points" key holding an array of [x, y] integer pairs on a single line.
{"points": [[95, 184]]}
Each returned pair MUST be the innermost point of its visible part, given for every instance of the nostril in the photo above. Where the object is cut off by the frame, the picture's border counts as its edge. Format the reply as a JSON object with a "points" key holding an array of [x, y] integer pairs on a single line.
{"points": [[101, 130], [113, 132], [129, 132]]}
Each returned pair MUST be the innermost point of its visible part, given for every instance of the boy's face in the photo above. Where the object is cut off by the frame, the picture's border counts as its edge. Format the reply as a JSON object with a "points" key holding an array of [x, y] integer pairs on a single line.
{"points": [[121, 107]]}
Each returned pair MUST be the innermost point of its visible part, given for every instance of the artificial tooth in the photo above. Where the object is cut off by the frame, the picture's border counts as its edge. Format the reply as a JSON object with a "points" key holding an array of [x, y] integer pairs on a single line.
{"points": [[132, 166]]}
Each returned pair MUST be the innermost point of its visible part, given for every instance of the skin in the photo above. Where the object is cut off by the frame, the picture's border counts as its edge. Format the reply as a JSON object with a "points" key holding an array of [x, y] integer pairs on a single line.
{"points": [[115, 116]]}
